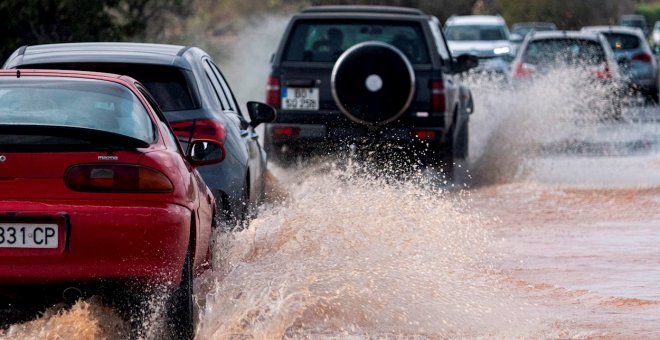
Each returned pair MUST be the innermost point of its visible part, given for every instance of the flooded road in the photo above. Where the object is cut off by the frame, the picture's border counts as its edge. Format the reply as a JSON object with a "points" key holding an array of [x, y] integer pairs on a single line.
{"points": [[565, 249], [556, 236]]}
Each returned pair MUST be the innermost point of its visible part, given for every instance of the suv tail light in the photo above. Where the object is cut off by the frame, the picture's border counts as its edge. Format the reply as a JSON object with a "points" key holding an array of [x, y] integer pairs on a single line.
{"points": [[273, 92], [523, 70], [426, 135], [643, 57], [116, 178], [209, 129], [285, 131], [438, 96]]}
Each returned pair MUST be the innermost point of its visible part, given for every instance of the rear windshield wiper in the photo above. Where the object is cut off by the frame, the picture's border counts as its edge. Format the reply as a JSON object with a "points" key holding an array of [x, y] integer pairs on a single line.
{"points": [[96, 139]]}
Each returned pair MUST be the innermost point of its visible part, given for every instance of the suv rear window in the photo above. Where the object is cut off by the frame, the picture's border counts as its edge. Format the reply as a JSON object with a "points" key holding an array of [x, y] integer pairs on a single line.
{"points": [[566, 50], [325, 41], [167, 84], [622, 41]]}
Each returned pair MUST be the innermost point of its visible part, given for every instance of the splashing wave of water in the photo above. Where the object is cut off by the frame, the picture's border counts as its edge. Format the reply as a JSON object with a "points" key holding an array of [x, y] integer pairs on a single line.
{"points": [[351, 253]]}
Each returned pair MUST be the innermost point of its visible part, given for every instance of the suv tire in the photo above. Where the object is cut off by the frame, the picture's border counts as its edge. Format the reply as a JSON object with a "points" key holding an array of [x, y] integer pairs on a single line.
{"points": [[369, 93]]}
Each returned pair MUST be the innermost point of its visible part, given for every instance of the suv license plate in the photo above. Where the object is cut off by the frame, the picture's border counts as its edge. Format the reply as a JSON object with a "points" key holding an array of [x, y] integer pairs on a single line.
{"points": [[23, 235], [300, 98]]}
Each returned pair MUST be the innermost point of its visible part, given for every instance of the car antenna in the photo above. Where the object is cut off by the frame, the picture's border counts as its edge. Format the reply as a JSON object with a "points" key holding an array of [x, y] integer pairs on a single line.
{"points": [[18, 73]]}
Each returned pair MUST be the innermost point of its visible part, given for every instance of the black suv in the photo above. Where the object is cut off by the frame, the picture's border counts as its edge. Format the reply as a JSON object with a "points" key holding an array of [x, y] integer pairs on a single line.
{"points": [[348, 74]]}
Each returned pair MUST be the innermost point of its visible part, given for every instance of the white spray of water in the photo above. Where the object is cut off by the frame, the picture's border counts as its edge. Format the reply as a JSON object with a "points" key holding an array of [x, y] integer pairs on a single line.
{"points": [[356, 254], [514, 124]]}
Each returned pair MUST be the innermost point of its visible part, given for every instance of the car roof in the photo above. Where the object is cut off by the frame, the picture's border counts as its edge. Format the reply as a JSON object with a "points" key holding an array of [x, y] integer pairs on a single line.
{"points": [[588, 35], [613, 29], [101, 76], [69, 74], [533, 24], [475, 20], [363, 9], [633, 16], [141, 53]]}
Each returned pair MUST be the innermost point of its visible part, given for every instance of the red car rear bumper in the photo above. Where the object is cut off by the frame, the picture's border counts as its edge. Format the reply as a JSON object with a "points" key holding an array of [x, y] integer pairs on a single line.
{"points": [[98, 240]]}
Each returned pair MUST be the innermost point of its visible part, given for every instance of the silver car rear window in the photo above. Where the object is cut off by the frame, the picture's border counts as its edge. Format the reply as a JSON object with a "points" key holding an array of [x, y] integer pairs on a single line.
{"points": [[622, 41], [564, 50]]}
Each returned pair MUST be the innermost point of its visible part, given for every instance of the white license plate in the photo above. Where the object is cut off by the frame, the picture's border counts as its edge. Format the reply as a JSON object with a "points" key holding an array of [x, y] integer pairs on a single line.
{"points": [[27, 235], [300, 98]]}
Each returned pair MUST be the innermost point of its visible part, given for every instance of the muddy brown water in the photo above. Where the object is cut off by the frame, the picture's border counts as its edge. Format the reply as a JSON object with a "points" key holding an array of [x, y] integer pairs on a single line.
{"points": [[351, 256], [547, 242]]}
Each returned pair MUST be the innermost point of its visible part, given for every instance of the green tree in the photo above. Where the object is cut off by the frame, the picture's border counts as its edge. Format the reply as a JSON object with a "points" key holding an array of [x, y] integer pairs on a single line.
{"points": [[567, 14], [25, 22], [440, 8], [650, 11], [45, 21]]}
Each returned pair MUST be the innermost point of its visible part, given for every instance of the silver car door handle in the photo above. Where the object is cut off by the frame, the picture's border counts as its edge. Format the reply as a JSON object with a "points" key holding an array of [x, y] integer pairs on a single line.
{"points": [[245, 133], [254, 136]]}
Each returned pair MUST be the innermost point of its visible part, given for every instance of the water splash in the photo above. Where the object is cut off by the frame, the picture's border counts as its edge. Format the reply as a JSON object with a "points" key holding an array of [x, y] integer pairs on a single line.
{"points": [[354, 253], [516, 123], [84, 320]]}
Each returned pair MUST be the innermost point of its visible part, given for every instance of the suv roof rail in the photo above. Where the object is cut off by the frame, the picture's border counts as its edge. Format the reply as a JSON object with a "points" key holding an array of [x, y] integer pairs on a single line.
{"points": [[364, 9]]}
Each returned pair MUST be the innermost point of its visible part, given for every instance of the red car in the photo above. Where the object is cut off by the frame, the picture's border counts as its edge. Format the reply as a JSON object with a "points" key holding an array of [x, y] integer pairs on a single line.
{"points": [[95, 190]]}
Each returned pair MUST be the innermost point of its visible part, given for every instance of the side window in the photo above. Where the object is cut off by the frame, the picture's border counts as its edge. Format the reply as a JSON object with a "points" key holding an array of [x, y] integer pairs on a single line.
{"points": [[217, 89], [225, 87], [440, 41], [233, 103]]}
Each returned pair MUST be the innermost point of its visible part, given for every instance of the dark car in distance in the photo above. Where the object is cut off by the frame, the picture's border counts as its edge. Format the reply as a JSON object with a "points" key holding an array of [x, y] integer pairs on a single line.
{"points": [[194, 96], [343, 75], [635, 21], [97, 192], [522, 28]]}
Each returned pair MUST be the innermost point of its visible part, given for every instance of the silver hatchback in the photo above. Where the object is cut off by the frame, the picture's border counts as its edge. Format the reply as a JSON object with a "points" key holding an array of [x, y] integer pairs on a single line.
{"points": [[634, 56]]}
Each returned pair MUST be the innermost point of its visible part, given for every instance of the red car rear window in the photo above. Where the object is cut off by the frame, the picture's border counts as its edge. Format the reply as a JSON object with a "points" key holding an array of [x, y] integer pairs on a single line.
{"points": [[69, 102]]}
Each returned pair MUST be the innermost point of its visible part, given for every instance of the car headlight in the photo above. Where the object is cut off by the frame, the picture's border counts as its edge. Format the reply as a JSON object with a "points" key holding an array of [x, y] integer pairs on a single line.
{"points": [[502, 50]]}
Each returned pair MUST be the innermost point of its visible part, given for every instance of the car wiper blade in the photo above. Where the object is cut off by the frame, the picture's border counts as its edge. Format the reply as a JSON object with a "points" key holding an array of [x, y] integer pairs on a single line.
{"points": [[99, 138]]}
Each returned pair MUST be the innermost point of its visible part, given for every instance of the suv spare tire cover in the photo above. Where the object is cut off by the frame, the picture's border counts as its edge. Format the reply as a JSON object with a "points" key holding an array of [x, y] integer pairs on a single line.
{"points": [[373, 83]]}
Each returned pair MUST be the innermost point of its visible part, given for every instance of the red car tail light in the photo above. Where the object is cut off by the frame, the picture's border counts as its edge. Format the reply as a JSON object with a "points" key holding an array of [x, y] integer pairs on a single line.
{"points": [[116, 178], [603, 72], [523, 70], [643, 57], [438, 96], [205, 129], [273, 92], [285, 131], [424, 134]]}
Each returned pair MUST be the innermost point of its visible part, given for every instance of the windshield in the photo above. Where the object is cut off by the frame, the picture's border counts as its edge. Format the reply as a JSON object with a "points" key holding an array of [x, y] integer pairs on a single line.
{"points": [[476, 33], [325, 41], [564, 50], [67, 102]]}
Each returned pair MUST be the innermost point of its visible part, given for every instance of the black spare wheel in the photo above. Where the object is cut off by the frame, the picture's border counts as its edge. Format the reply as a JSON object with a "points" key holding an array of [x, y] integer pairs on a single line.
{"points": [[373, 83]]}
